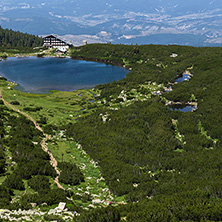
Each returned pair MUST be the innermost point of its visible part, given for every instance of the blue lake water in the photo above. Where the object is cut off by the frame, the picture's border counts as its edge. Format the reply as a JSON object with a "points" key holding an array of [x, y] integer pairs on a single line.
{"points": [[184, 77], [182, 107], [39, 75]]}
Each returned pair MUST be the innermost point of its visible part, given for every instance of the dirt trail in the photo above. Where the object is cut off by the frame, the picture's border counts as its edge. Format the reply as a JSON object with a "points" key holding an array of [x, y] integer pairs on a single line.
{"points": [[53, 161]]}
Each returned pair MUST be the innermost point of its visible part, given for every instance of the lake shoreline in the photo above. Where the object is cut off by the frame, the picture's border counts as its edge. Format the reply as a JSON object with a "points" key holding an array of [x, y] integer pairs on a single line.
{"points": [[38, 76], [106, 61]]}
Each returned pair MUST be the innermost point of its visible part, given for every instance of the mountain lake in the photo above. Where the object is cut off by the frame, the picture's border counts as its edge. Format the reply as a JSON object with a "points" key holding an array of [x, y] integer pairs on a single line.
{"points": [[40, 75]]}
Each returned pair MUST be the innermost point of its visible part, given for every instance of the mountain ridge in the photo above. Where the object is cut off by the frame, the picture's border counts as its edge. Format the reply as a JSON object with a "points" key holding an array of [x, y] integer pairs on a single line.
{"points": [[118, 22]]}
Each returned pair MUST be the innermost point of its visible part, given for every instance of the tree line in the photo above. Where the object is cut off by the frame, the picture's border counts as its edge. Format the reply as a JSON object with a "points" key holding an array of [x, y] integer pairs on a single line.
{"points": [[10, 38]]}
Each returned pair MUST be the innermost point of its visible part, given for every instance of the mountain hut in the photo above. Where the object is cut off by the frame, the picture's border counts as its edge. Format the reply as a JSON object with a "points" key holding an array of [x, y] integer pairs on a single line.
{"points": [[53, 41]]}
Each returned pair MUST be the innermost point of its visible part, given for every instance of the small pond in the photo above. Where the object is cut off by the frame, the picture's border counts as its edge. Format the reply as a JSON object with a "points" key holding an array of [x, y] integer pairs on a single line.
{"points": [[182, 107], [40, 75], [184, 77]]}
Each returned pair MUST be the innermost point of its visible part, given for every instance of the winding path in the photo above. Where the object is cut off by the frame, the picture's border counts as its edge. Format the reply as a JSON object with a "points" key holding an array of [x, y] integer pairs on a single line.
{"points": [[53, 161]]}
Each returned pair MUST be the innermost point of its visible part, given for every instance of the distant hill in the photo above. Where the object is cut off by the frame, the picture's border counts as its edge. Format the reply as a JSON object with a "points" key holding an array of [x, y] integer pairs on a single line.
{"points": [[196, 23], [10, 38]]}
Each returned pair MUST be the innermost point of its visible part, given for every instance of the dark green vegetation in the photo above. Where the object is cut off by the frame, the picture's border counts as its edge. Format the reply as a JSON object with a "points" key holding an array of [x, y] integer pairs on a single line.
{"points": [[10, 38], [70, 174], [30, 158], [108, 214], [2, 155], [39, 182], [12, 42], [24, 166], [165, 164], [164, 178]]}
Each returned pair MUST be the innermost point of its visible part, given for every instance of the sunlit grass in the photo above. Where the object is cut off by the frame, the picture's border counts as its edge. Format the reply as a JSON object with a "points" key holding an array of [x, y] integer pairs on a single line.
{"points": [[58, 107], [94, 185]]}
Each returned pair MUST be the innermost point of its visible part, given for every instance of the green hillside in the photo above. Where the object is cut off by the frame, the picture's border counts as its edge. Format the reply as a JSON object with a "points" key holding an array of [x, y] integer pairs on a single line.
{"points": [[166, 163], [121, 140], [10, 38]]}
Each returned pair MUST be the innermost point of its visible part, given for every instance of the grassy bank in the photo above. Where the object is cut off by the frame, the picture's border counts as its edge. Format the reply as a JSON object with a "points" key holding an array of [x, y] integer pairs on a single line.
{"points": [[57, 108]]}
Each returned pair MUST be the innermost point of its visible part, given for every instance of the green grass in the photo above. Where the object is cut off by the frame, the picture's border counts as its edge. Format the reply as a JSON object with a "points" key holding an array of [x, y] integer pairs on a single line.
{"points": [[204, 133], [178, 136], [58, 107], [94, 183], [2, 178]]}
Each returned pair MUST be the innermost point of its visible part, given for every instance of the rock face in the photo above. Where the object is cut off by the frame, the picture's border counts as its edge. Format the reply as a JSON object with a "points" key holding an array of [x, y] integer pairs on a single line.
{"points": [[96, 201], [33, 204], [36, 214], [61, 206]]}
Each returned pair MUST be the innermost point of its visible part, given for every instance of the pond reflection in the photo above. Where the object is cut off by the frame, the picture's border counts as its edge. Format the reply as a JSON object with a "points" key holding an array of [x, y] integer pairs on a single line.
{"points": [[184, 77], [182, 107]]}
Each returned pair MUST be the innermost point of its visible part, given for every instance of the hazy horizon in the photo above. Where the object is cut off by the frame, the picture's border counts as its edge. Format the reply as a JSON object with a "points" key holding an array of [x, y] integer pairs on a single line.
{"points": [[197, 23]]}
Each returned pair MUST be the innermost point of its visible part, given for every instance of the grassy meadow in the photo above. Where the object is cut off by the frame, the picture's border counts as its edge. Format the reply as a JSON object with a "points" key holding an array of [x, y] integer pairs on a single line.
{"points": [[59, 108]]}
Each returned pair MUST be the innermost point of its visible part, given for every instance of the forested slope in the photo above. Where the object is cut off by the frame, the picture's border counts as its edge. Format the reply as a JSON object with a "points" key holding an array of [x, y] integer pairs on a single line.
{"points": [[10, 38], [25, 170], [167, 163]]}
